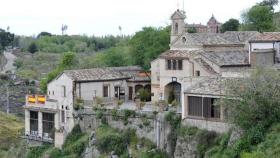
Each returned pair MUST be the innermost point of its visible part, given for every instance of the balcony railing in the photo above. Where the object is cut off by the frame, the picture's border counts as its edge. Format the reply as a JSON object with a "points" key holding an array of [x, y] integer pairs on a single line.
{"points": [[34, 135], [40, 101]]}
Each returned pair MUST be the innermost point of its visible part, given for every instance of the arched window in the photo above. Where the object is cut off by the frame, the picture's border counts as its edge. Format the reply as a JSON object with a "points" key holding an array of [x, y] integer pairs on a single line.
{"points": [[176, 28]]}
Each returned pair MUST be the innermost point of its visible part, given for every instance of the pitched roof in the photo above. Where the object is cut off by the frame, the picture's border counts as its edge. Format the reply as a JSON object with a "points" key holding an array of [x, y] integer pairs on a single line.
{"points": [[228, 57], [215, 86], [178, 14], [208, 38], [240, 36], [267, 37], [104, 74], [195, 25], [213, 19], [186, 54], [227, 38]]}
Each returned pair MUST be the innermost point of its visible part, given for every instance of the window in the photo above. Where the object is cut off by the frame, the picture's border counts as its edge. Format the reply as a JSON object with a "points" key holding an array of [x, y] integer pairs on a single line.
{"points": [[175, 64], [180, 64], [48, 125], [197, 73], [158, 78], [62, 116], [203, 107], [176, 28], [53, 92], [33, 122], [105, 91], [195, 106], [49, 93], [168, 64], [63, 91]]}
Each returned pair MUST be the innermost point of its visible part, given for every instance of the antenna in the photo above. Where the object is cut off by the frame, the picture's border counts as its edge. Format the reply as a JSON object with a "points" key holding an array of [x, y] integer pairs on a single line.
{"points": [[184, 5]]}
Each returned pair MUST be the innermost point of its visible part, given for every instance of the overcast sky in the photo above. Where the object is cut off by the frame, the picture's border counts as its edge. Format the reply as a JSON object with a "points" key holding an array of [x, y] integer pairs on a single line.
{"points": [[103, 17]]}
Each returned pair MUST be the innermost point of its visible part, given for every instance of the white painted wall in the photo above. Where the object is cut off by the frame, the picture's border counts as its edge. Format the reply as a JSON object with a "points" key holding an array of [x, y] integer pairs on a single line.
{"points": [[55, 91], [268, 45], [90, 90]]}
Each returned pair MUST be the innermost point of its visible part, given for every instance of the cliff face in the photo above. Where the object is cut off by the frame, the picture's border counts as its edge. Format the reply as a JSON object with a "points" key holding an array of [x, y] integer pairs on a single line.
{"points": [[186, 148]]}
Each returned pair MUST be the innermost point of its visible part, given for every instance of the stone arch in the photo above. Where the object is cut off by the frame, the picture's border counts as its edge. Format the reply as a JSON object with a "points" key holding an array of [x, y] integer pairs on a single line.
{"points": [[138, 87], [173, 88]]}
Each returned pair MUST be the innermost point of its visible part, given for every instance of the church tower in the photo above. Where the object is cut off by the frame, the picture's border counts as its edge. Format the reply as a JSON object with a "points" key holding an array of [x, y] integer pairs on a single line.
{"points": [[178, 25]]}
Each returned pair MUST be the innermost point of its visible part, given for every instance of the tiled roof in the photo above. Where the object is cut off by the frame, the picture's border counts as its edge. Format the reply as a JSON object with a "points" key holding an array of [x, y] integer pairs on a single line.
{"points": [[219, 57], [228, 58], [103, 74], [227, 38], [267, 36], [208, 38], [179, 53], [205, 65], [215, 86], [195, 25], [239, 36]]}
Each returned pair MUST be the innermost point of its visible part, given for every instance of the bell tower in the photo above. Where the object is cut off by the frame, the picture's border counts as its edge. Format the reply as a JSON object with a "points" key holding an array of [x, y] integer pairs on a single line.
{"points": [[178, 25]]}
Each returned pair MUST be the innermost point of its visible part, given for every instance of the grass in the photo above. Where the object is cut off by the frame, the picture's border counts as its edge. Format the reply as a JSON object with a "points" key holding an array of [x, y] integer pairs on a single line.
{"points": [[10, 130]]}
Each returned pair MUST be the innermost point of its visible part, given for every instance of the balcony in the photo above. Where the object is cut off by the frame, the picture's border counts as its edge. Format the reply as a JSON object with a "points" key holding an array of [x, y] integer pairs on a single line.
{"points": [[40, 102]]}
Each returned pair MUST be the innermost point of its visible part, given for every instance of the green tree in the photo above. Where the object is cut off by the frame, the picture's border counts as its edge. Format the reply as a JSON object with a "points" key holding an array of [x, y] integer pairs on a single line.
{"points": [[68, 60], [6, 38], [44, 34], [269, 3], [230, 25], [147, 44], [257, 100], [32, 48], [258, 18], [191, 30]]}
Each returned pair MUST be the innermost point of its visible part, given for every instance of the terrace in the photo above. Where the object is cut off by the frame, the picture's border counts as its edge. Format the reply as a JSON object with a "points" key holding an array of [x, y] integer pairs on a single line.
{"points": [[41, 102]]}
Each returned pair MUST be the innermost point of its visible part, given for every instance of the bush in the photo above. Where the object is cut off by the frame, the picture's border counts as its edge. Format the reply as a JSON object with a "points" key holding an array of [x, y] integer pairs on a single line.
{"points": [[111, 142], [37, 152], [115, 114]]}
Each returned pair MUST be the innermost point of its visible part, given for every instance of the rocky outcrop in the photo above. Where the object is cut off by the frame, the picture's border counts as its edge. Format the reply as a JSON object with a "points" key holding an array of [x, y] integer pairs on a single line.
{"points": [[186, 148]]}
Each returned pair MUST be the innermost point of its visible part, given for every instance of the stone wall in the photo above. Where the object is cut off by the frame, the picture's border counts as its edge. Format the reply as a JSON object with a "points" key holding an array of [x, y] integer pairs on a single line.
{"points": [[146, 124], [219, 127]]}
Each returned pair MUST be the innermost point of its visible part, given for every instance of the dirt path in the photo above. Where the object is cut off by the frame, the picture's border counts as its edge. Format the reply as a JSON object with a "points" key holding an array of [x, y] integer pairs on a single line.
{"points": [[10, 62]]}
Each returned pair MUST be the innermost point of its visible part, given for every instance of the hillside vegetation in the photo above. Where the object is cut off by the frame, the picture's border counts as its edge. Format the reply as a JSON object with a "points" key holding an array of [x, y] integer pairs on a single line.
{"points": [[10, 131]]}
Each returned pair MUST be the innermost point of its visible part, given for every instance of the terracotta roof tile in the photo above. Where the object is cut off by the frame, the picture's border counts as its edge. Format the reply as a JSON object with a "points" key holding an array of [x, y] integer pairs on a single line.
{"points": [[267, 36]]}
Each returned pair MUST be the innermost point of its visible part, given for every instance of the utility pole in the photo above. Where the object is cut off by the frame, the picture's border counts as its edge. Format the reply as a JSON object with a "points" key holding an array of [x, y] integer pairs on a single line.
{"points": [[8, 101]]}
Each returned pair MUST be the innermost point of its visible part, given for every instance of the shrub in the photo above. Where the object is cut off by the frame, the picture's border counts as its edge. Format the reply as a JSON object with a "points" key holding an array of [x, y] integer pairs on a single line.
{"points": [[37, 152], [99, 114], [143, 94], [115, 114], [111, 142], [146, 122]]}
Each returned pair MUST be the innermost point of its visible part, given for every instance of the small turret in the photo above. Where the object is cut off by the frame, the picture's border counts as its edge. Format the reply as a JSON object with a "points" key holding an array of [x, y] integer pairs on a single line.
{"points": [[178, 24]]}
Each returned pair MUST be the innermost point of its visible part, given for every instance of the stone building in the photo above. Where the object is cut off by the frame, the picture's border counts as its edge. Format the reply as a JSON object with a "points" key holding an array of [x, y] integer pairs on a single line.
{"points": [[197, 64], [213, 26], [50, 118]]}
